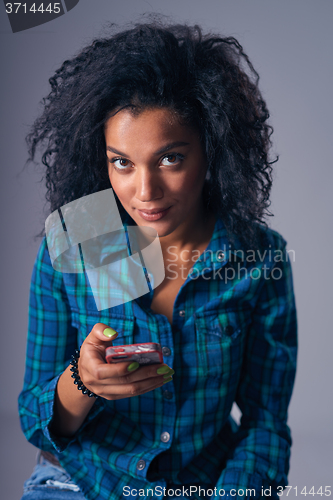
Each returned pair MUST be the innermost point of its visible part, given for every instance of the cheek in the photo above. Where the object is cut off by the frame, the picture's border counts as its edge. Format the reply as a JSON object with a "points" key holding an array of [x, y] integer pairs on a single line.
{"points": [[192, 182], [123, 194], [121, 188]]}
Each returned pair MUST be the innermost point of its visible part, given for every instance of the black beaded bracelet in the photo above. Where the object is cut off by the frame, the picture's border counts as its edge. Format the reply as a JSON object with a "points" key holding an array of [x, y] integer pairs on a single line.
{"points": [[75, 375]]}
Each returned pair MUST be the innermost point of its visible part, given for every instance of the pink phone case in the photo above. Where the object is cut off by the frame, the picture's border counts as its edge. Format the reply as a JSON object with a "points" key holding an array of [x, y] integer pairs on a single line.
{"points": [[147, 353]]}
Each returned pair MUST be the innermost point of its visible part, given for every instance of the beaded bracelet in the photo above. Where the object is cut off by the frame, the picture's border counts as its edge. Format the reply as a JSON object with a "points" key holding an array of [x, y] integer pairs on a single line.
{"points": [[75, 375]]}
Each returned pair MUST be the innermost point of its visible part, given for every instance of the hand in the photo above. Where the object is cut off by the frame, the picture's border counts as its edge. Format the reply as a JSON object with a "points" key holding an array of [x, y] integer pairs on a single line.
{"points": [[116, 380]]}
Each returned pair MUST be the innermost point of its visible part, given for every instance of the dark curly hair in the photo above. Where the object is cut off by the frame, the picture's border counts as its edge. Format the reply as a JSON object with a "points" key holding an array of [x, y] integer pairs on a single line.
{"points": [[206, 79]]}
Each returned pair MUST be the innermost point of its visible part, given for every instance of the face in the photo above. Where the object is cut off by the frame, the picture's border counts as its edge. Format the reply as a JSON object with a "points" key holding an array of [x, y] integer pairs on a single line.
{"points": [[157, 169]]}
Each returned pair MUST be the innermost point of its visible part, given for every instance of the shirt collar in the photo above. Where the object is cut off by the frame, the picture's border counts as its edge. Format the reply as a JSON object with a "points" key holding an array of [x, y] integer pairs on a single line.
{"points": [[219, 250]]}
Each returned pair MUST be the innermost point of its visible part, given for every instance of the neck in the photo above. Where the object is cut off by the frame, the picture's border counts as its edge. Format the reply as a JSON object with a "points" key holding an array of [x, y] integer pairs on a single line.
{"points": [[195, 234]]}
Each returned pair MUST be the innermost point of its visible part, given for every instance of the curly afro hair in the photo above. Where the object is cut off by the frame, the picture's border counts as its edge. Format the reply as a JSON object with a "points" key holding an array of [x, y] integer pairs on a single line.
{"points": [[207, 80]]}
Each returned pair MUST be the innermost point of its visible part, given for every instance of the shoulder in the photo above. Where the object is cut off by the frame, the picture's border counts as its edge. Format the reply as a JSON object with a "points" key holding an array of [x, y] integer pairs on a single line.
{"points": [[42, 261], [45, 279], [269, 238]]}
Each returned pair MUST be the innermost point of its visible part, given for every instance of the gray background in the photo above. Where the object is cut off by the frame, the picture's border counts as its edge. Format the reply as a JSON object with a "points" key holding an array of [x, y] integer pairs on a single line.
{"points": [[290, 45]]}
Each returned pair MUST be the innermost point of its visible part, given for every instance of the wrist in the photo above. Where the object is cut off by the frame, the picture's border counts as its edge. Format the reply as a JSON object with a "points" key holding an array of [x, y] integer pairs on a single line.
{"points": [[70, 406], [76, 376]]}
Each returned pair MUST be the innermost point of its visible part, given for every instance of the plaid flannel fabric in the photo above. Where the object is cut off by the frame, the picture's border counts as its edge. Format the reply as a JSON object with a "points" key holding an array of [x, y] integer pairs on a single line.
{"points": [[233, 339]]}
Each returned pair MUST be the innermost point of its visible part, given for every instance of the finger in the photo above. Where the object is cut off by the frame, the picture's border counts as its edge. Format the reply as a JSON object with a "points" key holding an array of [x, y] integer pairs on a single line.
{"points": [[133, 389], [101, 334], [123, 384], [92, 353], [100, 337], [121, 373]]}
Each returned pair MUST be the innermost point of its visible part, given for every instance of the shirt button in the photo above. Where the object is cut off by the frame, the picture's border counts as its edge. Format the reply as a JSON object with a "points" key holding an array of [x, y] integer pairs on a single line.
{"points": [[166, 351], [167, 395], [165, 437], [141, 465], [182, 313], [220, 256]]}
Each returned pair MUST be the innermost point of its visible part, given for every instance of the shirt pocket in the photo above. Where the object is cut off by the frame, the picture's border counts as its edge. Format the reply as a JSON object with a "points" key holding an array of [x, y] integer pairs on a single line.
{"points": [[124, 326], [221, 337]]}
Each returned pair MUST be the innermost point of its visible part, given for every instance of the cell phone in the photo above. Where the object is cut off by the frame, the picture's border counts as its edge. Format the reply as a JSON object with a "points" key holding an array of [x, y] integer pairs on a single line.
{"points": [[147, 353]]}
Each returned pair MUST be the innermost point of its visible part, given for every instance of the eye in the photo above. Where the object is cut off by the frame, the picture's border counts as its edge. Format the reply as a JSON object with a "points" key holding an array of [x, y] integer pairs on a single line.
{"points": [[172, 159], [120, 163]]}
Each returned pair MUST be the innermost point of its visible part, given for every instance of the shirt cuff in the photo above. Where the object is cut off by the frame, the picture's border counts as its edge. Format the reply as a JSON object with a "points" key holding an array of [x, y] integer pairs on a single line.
{"points": [[46, 401]]}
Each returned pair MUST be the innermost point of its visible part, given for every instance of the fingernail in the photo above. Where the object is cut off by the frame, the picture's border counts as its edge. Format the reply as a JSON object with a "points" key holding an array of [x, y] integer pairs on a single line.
{"points": [[163, 369], [133, 366], [167, 380], [168, 375], [109, 332]]}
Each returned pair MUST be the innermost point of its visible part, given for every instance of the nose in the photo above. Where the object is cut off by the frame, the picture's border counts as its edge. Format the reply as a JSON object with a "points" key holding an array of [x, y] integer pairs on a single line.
{"points": [[148, 185]]}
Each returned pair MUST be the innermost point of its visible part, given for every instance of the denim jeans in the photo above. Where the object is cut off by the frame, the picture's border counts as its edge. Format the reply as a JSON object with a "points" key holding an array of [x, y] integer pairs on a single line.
{"points": [[50, 482]]}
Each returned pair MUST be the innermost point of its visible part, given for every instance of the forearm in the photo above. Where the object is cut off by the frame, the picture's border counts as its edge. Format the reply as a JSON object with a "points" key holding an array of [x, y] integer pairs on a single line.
{"points": [[70, 407]]}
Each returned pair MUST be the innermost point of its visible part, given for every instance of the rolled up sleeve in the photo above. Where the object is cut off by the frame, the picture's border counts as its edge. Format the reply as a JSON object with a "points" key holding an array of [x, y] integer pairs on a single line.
{"points": [[260, 457], [51, 341]]}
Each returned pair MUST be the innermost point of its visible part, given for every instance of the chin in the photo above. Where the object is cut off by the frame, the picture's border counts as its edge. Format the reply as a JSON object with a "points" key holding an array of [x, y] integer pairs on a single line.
{"points": [[161, 229]]}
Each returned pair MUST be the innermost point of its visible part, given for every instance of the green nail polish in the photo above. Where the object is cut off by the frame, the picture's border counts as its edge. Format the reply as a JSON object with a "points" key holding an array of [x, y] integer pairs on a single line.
{"points": [[162, 370], [109, 332], [167, 380], [133, 366], [168, 375]]}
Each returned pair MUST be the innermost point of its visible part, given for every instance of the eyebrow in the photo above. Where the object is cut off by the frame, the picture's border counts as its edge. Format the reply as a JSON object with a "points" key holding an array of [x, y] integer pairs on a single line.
{"points": [[165, 148]]}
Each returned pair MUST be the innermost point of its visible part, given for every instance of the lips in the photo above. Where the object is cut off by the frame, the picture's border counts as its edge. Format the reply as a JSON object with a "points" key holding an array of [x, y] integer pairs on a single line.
{"points": [[152, 210], [153, 214]]}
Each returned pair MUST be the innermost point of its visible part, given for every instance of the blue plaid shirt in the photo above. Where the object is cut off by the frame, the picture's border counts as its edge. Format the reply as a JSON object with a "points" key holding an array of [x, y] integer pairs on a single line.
{"points": [[233, 339]]}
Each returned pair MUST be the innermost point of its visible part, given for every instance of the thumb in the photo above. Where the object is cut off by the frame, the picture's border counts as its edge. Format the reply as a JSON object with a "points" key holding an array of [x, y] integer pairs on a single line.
{"points": [[102, 335]]}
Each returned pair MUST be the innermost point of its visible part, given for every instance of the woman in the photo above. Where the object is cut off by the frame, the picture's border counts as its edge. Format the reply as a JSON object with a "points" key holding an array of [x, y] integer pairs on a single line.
{"points": [[175, 124]]}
